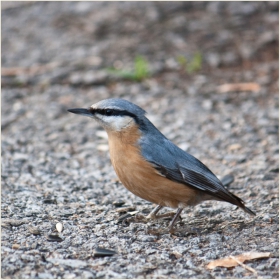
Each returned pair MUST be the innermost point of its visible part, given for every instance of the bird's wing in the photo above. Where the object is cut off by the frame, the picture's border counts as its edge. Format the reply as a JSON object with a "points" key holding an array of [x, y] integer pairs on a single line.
{"points": [[196, 178], [179, 166]]}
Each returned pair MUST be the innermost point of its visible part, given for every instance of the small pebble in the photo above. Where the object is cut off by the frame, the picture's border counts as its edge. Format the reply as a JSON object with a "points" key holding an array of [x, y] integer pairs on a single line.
{"points": [[227, 180], [15, 246], [69, 276], [34, 245], [87, 275], [45, 276], [15, 223], [177, 254], [34, 230], [234, 147], [118, 203], [6, 225], [267, 218], [268, 177]]}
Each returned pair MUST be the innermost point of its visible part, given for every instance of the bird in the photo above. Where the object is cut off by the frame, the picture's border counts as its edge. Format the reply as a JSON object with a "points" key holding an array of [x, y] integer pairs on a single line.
{"points": [[151, 166]]}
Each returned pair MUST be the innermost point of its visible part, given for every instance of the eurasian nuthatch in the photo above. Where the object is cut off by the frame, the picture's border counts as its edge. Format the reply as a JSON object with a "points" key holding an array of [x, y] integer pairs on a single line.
{"points": [[151, 166]]}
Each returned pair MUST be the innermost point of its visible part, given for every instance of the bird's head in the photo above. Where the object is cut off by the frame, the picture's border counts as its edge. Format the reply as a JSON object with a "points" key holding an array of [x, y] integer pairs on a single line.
{"points": [[113, 114]]}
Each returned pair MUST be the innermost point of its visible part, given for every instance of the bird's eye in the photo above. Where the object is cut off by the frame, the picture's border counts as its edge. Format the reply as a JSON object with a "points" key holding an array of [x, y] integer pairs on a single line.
{"points": [[108, 112]]}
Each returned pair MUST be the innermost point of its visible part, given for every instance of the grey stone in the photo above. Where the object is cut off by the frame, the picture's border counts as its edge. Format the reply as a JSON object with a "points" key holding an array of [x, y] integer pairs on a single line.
{"points": [[213, 59], [69, 276], [68, 262], [27, 258], [45, 275], [88, 275]]}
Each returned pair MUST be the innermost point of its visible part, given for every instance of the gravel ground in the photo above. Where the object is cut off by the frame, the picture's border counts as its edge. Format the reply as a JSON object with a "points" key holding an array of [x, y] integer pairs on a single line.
{"points": [[56, 167]]}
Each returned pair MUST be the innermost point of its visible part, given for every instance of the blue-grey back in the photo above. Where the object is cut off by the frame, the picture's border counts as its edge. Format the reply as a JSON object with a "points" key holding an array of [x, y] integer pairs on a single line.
{"points": [[156, 147]]}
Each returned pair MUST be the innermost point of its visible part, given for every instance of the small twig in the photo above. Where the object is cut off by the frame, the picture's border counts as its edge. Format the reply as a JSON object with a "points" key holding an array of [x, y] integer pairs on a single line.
{"points": [[245, 266]]}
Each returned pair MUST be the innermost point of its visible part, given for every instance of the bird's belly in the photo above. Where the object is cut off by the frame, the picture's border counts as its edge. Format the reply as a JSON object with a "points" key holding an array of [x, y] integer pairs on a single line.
{"points": [[158, 189], [143, 180]]}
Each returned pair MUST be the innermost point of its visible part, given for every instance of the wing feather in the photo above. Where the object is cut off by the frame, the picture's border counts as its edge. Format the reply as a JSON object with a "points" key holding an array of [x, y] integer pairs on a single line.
{"points": [[197, 180]]}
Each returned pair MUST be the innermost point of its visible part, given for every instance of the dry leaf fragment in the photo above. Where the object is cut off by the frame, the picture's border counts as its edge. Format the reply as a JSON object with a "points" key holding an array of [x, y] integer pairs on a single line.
{"points": [[239, 87], [230, 262], [245, 266]]}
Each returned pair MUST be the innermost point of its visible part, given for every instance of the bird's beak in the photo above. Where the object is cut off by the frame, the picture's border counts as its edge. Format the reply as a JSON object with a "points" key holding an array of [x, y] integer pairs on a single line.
{"points": [[81, 111]]}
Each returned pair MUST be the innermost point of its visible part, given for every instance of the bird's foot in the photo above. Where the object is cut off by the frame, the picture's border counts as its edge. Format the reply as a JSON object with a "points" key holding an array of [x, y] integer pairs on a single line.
{"points": [[152, 216], [140, 217]]}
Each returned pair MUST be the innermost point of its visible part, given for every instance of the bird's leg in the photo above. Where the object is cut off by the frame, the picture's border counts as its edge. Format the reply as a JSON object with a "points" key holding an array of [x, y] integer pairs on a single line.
{"points": [[165, 215], [153, 213], [175, 218]]}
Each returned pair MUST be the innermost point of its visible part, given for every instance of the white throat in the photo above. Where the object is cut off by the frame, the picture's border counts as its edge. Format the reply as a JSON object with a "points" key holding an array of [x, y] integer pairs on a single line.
{"points": [[115, 123]]}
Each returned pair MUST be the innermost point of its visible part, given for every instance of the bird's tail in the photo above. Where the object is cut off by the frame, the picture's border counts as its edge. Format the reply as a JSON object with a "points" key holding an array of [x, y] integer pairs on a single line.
{"points": [[249, 211], [226, 181], [241, 204]]}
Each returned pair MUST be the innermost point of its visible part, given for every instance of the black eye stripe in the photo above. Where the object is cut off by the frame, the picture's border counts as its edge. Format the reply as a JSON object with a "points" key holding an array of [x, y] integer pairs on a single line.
{"points": [[112, 112], [108, 112], [115, 112]]}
